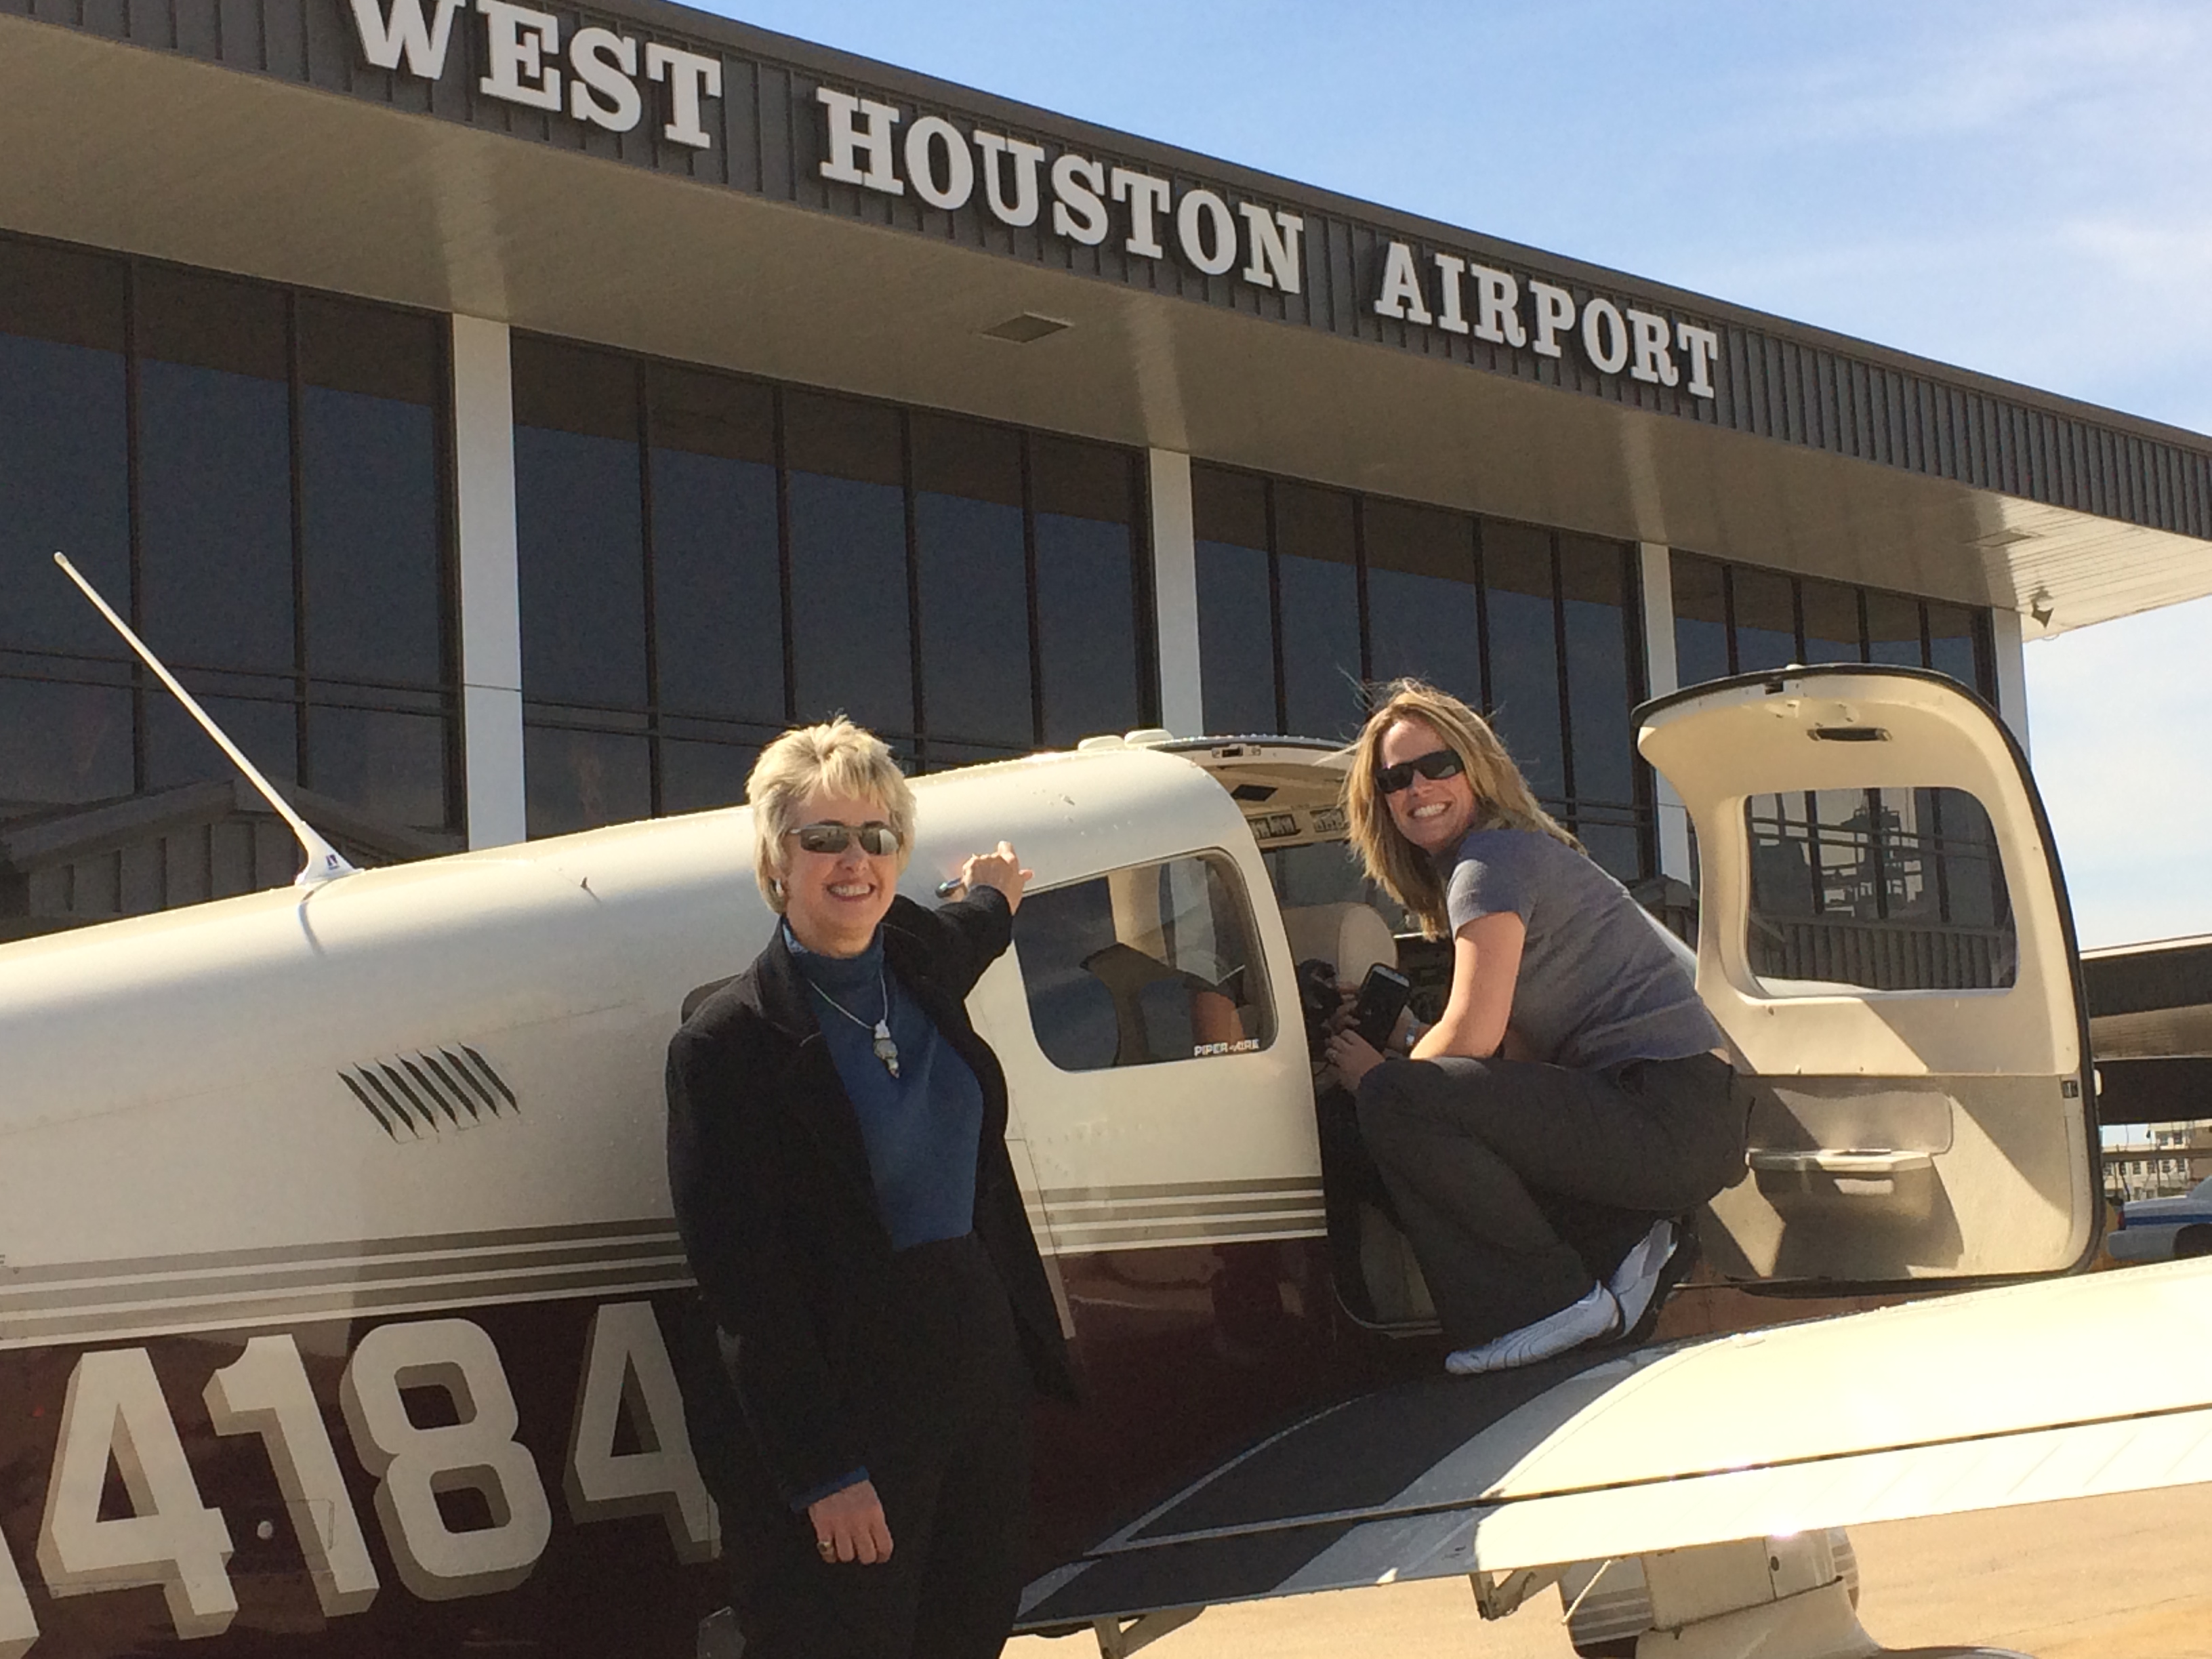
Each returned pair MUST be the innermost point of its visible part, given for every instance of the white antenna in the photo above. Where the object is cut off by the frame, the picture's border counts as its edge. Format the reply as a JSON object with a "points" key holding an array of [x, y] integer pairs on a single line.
{"points": [[324, 862]]}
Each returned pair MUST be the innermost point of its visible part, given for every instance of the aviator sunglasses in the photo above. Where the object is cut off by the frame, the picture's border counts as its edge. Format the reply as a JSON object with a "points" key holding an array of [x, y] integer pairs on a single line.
{"points": [[1435, 765], [876, 840]]}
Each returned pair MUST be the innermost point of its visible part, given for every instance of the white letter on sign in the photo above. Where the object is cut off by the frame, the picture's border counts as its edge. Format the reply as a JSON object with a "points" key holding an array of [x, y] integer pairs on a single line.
{"points": [[1027, 158], [1605, 336], [114, 1409], [1653, 362], [266, 1391], [19, 1629], [601, 62], [1555, 312], [691, 75], [935, 133], [1203, 218], [1147, 198], [385, 42], [1275, 237], [1079, 211], [1497, 306], [414, 1465], [518, 41], [1401, 288], [1701, 344], [626, 1368], [849, 135]]}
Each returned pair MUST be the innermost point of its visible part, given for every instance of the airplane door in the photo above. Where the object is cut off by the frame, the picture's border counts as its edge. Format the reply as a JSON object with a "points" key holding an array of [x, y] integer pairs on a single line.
{"points": [[1884, 936]]}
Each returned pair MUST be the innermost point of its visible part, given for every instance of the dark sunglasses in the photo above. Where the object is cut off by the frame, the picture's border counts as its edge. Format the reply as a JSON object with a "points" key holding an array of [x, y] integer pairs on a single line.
{"points": [[876, 839], [1436, 764]]}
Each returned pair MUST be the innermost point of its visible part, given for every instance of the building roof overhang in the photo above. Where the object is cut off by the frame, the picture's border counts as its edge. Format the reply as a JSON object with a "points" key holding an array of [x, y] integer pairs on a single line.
{"points": [[1877, 468]]}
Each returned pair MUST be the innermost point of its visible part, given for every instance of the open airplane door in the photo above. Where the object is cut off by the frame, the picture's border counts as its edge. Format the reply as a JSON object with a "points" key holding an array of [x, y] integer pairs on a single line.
{"points": [[1884, 936]]}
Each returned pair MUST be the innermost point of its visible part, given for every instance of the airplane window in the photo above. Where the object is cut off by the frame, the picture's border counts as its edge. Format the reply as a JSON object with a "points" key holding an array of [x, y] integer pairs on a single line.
{"points": [[1144, 965], [1885, 889]]}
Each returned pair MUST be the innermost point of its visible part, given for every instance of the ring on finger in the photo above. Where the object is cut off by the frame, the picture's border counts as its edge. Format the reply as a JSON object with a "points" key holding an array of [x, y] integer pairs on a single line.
{"points": [[829, 1550]]}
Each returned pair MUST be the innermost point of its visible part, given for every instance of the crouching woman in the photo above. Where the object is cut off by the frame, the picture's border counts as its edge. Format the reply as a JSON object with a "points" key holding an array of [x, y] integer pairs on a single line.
{"points": [[1544, 1141], [837, 1156]]}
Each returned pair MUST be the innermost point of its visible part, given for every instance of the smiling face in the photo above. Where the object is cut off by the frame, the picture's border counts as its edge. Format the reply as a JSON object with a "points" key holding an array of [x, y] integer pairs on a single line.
{"points": [[1433, 813], [833, 901]]}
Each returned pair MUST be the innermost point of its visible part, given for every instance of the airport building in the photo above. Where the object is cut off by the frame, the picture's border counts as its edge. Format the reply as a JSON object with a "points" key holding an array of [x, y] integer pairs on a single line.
{"points": [[507, 419]]}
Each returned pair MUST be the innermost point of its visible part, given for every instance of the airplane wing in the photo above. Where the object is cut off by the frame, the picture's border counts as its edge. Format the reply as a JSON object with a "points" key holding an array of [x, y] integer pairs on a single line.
{"points": [[1980, 1400]]}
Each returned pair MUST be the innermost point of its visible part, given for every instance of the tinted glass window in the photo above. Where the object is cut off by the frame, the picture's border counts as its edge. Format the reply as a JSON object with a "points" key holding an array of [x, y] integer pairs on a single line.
{"points": [[1831, 621], [214, 472], [63, 745], [974, 578], [1893, 630], [1952, 646], [382, 760], [1765, 620], [1891, 889], [1319, 582], [1422, 615], [1085, 504], [1701, 631], [850, 640], [65, 468], [1525, 653], [577, 780], [1602, 683], [696, 775], [717, 563], [373, 546], [1235, 611], [1146, 965], [178, 751], [580, 526]]}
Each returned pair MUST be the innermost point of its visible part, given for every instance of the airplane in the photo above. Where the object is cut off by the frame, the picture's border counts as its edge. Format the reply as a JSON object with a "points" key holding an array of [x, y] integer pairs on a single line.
{"points": [[342, 1313]]}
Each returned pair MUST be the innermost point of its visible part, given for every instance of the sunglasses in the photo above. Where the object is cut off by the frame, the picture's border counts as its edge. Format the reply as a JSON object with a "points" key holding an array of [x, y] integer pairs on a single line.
{"points": [[1436, 764], [876, 840]]}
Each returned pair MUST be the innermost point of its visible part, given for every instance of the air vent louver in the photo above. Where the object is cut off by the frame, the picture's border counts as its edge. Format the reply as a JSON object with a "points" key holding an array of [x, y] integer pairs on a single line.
{"points": [[430, 1093]]}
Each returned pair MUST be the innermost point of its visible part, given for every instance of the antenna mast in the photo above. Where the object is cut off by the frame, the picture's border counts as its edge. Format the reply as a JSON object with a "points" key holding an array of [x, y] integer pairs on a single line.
{"points": [[324, 862]]}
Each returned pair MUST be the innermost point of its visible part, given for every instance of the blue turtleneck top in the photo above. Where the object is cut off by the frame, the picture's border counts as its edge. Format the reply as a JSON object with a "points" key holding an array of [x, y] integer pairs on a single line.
{"points": [[921, 1127]]}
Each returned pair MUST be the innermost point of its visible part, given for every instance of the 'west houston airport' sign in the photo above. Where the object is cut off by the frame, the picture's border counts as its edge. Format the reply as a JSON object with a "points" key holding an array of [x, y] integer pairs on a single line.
{"points": [[604, 78]]}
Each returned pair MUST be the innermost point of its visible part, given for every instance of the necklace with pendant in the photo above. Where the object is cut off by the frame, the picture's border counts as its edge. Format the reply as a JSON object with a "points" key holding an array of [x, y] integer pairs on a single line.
{"points": [[886, 1050]]}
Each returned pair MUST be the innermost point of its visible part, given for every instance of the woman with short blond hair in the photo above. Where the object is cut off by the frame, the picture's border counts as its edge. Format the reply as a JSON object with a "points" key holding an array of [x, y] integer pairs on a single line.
{"points": [[1544, 1141], [837, 1146]]}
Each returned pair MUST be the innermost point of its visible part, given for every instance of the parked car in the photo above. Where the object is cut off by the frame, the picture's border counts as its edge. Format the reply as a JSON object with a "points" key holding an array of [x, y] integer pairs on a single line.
{"points": [[2160, 1228]]}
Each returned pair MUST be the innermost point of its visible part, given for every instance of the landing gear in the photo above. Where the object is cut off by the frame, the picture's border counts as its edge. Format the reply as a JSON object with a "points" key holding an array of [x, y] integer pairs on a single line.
{"points": [[1758, 1598]]}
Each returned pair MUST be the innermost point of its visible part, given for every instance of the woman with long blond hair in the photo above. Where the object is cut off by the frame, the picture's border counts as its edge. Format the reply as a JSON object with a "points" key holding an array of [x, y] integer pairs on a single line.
{"points": [[1544, 1140]]}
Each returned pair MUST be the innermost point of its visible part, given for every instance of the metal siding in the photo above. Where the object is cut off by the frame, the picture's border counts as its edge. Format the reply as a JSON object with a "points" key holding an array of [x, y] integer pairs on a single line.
{"points": [[768, 133]]}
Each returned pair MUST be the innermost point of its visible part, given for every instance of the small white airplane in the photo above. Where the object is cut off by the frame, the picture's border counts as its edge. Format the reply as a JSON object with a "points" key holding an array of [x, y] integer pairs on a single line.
{"points": [[340, 1311]]}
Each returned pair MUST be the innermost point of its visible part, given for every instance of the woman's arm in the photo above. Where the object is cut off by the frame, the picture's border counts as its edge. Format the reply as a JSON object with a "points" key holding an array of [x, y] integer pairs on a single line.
{"points": [[1486, 966], [969, 933]]}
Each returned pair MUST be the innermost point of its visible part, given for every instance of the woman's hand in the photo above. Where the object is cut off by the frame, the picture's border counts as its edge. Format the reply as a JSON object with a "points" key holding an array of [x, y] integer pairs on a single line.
{"points": [[849, 1525], [1002, 870], [1353, 1056]]}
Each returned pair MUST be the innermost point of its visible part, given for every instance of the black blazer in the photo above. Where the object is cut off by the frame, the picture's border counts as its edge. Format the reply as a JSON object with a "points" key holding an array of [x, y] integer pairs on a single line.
{"points": [[776, 1207]]}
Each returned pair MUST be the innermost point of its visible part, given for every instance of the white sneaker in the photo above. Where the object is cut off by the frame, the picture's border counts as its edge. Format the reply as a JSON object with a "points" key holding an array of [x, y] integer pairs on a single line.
{"points": [[1636, 1277], [1597, 1314]]}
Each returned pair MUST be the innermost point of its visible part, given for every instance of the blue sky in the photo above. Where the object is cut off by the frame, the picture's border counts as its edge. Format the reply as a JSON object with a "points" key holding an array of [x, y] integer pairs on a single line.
{"points": [[2018, 188]]}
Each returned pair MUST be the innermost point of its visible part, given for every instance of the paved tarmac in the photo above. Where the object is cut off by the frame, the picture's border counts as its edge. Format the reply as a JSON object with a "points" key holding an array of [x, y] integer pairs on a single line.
{"points": [[2126, 1577]]}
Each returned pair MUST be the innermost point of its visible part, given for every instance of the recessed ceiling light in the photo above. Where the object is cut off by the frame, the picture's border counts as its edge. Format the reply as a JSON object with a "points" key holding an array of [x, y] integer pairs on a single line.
{"points": [[1025, 328]]}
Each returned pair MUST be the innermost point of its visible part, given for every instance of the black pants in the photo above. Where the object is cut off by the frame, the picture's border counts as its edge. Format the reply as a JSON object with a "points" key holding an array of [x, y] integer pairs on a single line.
{"points": [[948, 1428], [1520, 1185]]}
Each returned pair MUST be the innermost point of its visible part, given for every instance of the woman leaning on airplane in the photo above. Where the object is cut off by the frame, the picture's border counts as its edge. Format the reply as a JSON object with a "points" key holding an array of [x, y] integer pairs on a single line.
{"points": [[1544, 1141], [836, 1148]]}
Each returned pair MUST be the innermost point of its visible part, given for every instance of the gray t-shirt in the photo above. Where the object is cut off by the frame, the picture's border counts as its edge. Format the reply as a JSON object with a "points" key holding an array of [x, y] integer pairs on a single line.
{"points": [[1599, 984]]}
